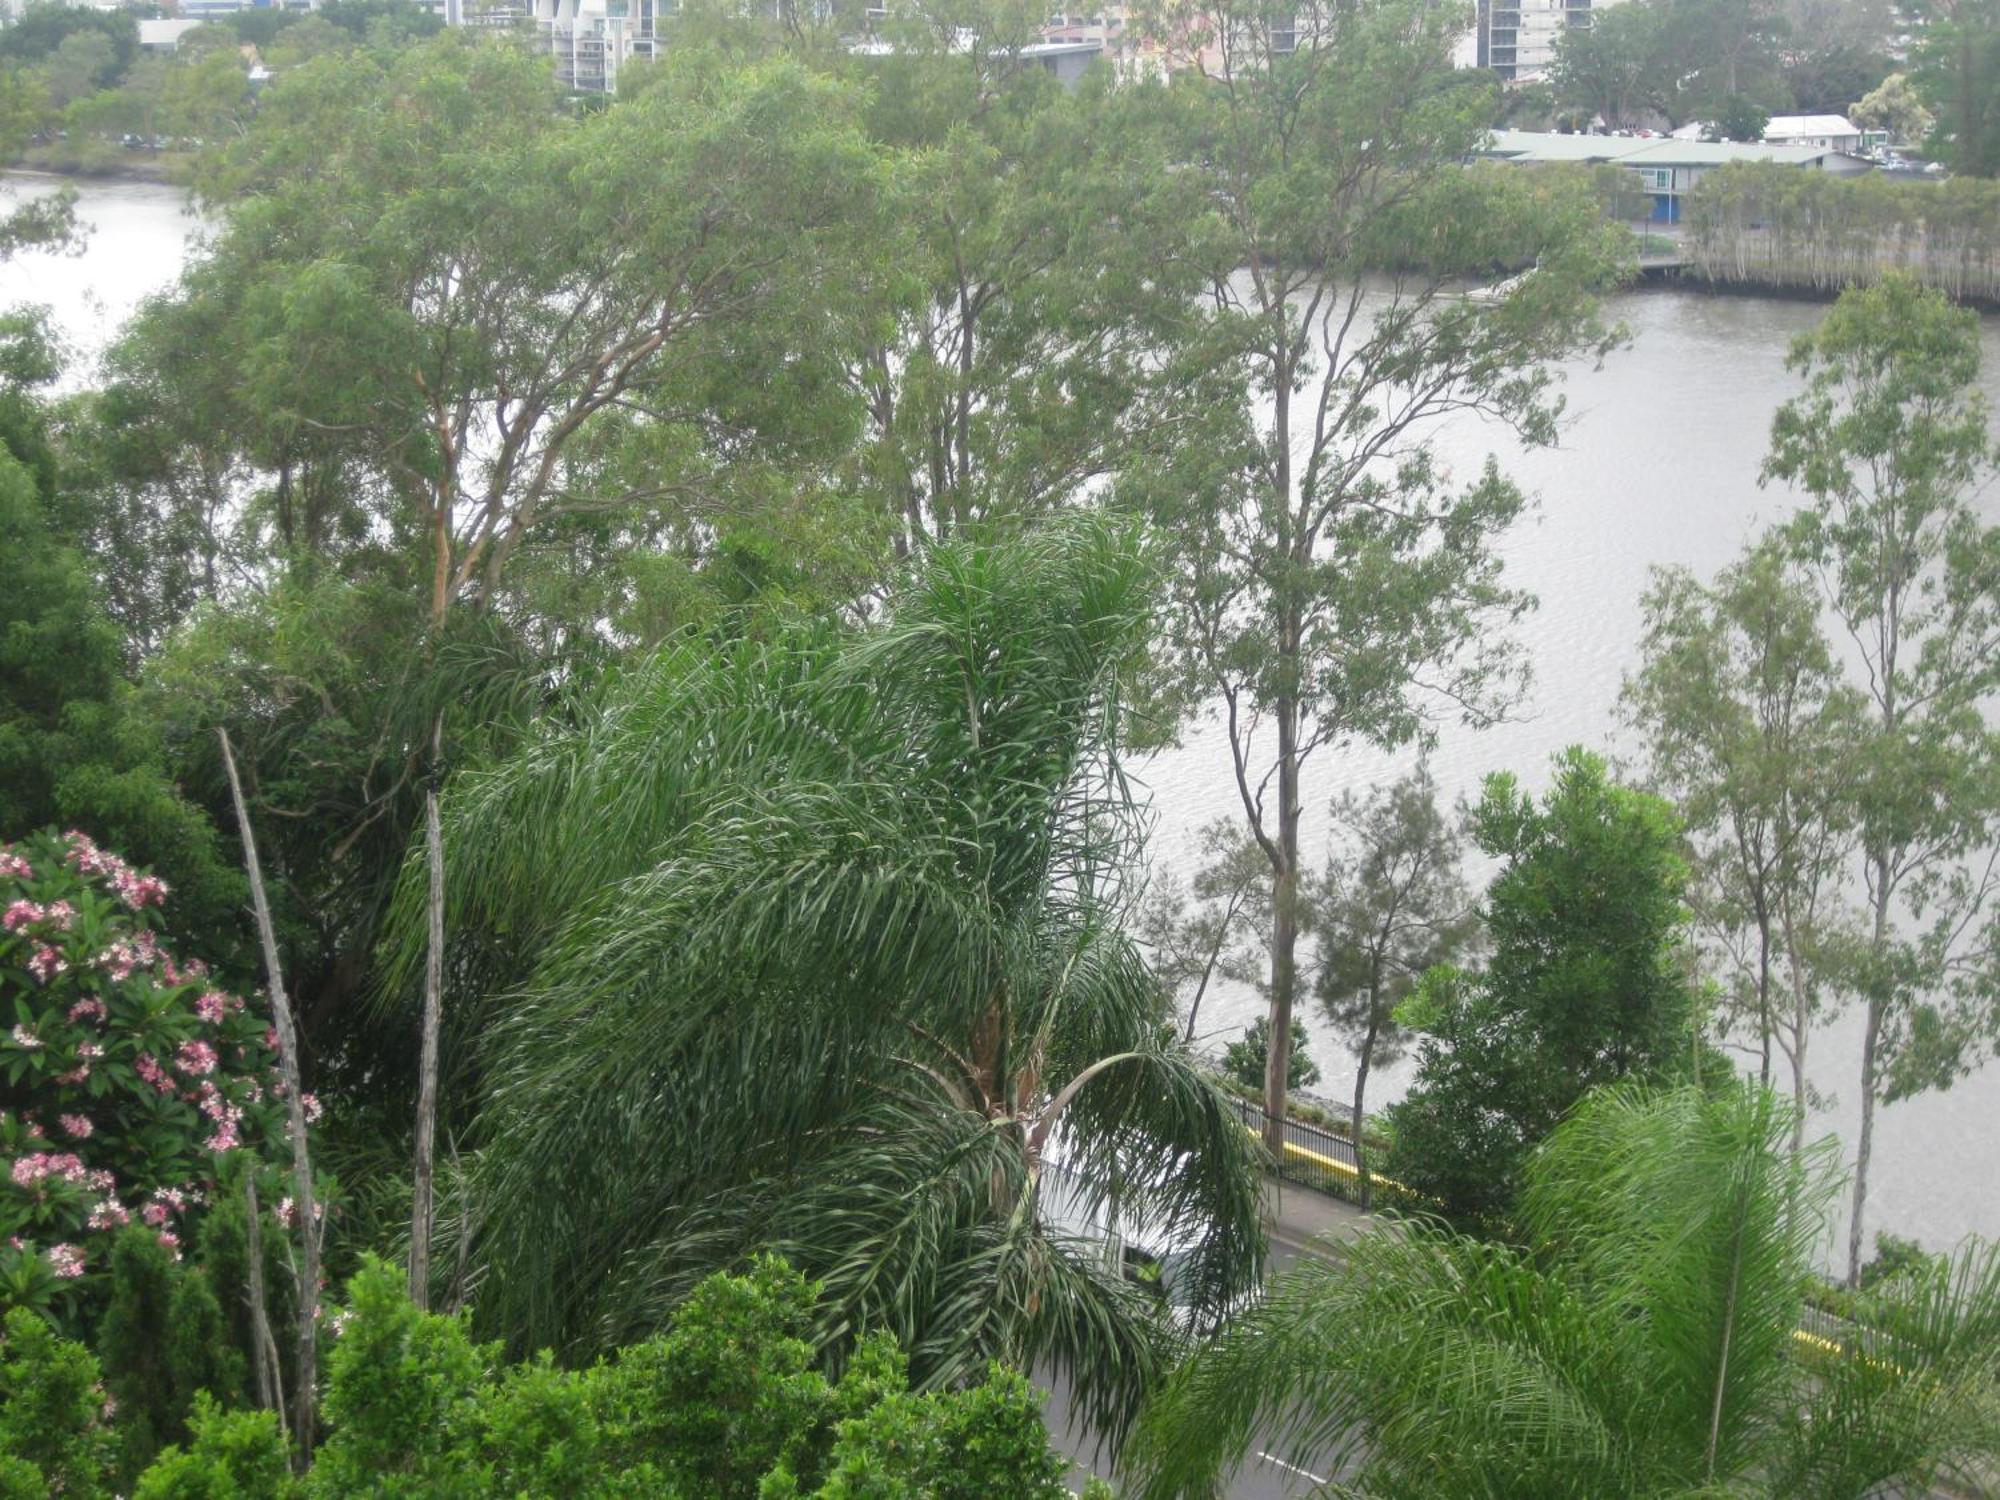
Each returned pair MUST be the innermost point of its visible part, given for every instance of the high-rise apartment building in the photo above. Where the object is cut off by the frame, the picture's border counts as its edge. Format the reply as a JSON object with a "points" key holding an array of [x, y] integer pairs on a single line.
{"points": [[1517, 38]]}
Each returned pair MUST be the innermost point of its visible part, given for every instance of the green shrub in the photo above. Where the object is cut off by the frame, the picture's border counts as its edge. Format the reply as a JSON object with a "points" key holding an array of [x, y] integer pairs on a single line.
{"points": [[730, 1391], [1895, 1258], [232, 1455], [1246, 1060], [162, 1342], [52, 1413], [955, 1445], [402, 1397]]}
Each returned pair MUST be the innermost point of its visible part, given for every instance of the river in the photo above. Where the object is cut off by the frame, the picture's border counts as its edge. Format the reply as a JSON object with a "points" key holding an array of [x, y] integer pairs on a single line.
{"points": [[1658, 465]]}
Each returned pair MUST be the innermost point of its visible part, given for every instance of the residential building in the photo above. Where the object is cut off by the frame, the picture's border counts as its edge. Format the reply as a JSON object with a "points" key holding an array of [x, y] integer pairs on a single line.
{"points": [[1517, 38], [1829, 132], [164, 35], [593, 40], [1668, 169]]}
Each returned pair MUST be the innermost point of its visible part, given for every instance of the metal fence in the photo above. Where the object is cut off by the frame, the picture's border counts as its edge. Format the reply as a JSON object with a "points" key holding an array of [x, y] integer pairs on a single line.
{"points": [[1313, 1156]]}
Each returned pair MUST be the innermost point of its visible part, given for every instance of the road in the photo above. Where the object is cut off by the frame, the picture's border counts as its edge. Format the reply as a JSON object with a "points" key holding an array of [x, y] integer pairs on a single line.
{"points": [[1298, 1218]]}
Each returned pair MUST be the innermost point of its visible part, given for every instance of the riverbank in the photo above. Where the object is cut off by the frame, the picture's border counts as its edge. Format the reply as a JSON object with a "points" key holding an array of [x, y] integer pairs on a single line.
{"points": [[1688, 277], [52, 161], [1778, 231]]}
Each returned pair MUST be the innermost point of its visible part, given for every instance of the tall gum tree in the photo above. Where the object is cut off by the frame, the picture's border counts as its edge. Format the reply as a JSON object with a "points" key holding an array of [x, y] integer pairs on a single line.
{"points": [[1334, 579], [1747, 726], [480, 373], [1011, 362], [1890, 444], [1390, 905]]}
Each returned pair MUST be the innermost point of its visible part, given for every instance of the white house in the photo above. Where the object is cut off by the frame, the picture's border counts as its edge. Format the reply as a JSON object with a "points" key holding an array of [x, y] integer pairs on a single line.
{"points": [[165, 35], [1828, 132]]}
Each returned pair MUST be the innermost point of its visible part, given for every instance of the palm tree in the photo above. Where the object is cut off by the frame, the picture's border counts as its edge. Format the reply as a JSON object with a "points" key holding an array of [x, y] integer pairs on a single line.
{"points": [[812, 945], [1643, 1345]]}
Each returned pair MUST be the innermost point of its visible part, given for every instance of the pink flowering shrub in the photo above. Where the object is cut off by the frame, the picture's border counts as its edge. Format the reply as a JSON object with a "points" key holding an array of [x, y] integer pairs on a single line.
{"points": [[124, 1071]]}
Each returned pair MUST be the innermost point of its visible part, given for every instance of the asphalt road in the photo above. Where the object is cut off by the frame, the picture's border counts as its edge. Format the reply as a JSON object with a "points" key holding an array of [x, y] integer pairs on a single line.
{"points": [[1263, 1476]]}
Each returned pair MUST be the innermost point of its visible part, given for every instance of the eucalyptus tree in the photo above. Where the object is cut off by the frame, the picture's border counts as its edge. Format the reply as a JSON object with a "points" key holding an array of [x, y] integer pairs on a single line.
{"points": [[522, 318], [812, 945], [1890, 444], [1200, 930], [465, 393], [1012, 360], [1749, 728], [1642, 1344], [1611, 68], [1333, 579], [1390, 905]]}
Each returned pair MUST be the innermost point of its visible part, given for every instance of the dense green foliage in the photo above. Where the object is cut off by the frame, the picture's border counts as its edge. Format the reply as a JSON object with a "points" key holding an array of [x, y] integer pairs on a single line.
{"points": [[725, 1405], [1958, 70], [1728, 64], [78, 745], [825, 931], [1586, 984], [1644, 1344], [766, 508]]}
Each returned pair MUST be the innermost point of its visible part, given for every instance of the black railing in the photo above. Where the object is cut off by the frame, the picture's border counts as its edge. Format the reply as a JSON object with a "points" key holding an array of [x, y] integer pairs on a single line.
{"points": [[1314, 1157]]}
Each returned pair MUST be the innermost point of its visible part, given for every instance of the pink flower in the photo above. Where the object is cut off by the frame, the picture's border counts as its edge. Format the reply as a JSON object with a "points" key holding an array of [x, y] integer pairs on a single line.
{"points": [[223, 1138], [86, 858], [29, 1170], [312, 1108], [139, 891], [14, 864], [47, 962], [26, 1038], [172, 1241], [78, 1074], [67, 1261], [211, 1006], [154, 1214], [76, 1125], [90, 1008], [109, 1214], [148, 1067], [119, 960], [22, 914], [271, 1037], [62, 914], [89, 1051], [195, 1058]]}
